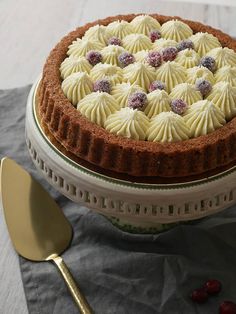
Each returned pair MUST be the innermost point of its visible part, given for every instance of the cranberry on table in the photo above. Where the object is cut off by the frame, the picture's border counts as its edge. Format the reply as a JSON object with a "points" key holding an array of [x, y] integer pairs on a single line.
{"points": [[169, 53], [154, 59], [125, 59], [157, 85], [102, 85], [199, 295], [154, 35], [213, 286], [114, 41], [209, 63], [227, 307], [94, 57], [137, 100], [185, 44]]}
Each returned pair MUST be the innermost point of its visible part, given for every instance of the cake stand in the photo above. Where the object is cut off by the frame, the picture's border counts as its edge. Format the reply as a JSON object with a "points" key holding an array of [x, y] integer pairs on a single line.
{"points": [[135, 207]]}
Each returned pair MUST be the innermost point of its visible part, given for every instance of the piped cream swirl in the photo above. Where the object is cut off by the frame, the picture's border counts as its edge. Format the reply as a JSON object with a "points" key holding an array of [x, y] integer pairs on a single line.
{"points": [[99, 33], [176, 30], [128, 123], [226, 74], [188, 58], [80, 47], [120, 29], [143, 24], [193, 74], [136, 42], [162, 43], [203, 117], [167, 127], [158, 101], [74, 64], [108, 71], [171, 73], [76, 86], [204, 42], [111, 53], [187, 92], [223, 95], [223, 56], [121, 92], [97, 107], [140, 74]]}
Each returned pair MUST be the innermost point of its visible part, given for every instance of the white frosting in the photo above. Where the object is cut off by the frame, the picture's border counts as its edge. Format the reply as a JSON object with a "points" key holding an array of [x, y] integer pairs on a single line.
{"points": [[121, 92], [187, 92], [141, 56], [128, 123], [188, 58], [99, 33], [176, 30], [223, 56], [76, 86], [167, 127], [120, 29], [164, 43], [136, 42], [193, 74], [97, 107], [80, 47], [226, 74], [171, 73], [223, 95], [204, 42], [140, 74], [203, 117], [158, 101], [111, 53], [74, 64], [108, 71], [144, 24]]}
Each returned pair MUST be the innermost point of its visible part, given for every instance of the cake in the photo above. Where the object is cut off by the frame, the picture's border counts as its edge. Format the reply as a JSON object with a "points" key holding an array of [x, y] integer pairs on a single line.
{"points": [[143, 96]]}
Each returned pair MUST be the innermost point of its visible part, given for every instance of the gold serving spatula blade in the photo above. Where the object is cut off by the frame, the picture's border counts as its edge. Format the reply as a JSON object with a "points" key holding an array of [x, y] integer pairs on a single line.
{"points": [[37, 226]]}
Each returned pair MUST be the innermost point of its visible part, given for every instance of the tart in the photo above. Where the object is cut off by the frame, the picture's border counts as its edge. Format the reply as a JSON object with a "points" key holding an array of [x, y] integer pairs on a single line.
{"points": [[146, 96]]}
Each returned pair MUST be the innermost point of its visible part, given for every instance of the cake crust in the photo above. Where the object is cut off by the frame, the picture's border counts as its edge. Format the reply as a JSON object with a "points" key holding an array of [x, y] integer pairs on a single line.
{"points": [[97, 146]]}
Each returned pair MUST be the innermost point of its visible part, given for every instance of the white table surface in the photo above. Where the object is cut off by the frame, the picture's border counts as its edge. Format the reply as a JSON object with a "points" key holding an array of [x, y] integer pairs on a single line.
{"points": [[29, 30]]}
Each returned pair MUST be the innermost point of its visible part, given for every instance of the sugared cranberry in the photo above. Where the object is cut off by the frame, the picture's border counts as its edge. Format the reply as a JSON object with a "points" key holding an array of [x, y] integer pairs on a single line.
{"points": [[102, 85], [94, 57], [154, 35], [125, 59], [199, 295], [178, 106], [212, 286], [208, 62], [154, 59], [157, 85], [114, 41], [169, 53], [185, 44], [203, 86], [227, 307], [137, 100]]}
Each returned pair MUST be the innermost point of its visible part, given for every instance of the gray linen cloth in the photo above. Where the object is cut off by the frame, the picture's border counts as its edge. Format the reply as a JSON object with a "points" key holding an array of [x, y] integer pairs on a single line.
{"points": [[119, 272]]}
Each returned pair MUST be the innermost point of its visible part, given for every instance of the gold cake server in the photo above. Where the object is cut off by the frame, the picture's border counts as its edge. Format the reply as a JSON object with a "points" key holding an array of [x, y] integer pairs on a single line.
{"points": [[37, 226]]}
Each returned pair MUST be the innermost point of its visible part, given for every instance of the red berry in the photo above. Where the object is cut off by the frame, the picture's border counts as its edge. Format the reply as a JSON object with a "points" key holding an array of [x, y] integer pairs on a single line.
{"points": [[114, 41], [154, 35], [169, 53], [154, 59], [227, 307], [212, 286], [199, 295], [94, 57]]}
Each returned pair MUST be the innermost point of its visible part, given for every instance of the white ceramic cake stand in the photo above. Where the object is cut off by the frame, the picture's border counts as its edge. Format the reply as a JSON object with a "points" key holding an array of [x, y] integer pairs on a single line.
{"points": [[136, 207]]}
